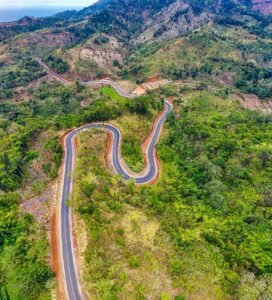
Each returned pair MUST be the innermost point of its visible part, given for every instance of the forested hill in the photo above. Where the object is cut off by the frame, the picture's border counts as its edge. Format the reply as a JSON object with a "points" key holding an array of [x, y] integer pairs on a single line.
{"points": [[204, 230], [116, 36], [133, 17]]}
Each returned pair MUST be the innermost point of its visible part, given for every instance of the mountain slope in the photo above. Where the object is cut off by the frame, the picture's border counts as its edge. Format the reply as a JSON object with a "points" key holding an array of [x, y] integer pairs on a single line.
{"points": [[150, 18], [102, 39]]}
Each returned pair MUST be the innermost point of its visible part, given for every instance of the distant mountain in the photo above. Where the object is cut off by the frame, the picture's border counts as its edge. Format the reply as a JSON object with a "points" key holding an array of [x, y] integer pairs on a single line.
{"points": [[144, 20]]}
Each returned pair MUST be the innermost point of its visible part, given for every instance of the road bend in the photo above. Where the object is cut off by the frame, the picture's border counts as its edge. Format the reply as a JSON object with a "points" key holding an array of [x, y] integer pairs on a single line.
{"points": [[71, 276], [91, 83]]}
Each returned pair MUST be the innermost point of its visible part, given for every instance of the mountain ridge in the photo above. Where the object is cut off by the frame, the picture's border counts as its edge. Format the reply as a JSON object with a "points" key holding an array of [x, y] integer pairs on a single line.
{"points": [[135, 16]]}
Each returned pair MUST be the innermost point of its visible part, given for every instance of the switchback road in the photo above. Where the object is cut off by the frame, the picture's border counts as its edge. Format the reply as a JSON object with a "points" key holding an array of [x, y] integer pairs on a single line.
{"points": [[72, 282], [69, 263]]}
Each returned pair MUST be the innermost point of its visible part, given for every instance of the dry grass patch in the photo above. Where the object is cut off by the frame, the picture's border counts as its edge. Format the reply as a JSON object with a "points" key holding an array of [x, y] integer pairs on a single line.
{"points": [[133, 255]]}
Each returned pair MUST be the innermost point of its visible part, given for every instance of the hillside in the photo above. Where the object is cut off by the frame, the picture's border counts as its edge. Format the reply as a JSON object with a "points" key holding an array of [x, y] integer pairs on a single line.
{"points": [[97, 41], [202, 229], [265, 6]]}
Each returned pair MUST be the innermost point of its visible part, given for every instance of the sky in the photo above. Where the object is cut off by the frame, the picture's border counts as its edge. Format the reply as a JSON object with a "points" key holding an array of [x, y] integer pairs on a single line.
{"points": [[45, 3]]}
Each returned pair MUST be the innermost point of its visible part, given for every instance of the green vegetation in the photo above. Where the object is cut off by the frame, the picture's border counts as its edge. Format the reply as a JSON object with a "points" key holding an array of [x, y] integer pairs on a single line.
{"points": [[126, 254], [131, 143], [23, 267], [52, 166], [207, 54], [27, 71], [219, 200], [84, 66], [28, 24], [142, 112], [52, 107], [101, 40], [57, 64], [212, 202]]}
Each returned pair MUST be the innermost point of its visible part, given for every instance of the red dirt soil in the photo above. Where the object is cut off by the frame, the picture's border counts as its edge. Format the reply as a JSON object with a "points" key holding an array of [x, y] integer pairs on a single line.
{"points": [[253, 102], [154, 78], [55, 238], [55, 247], [55, 250]]}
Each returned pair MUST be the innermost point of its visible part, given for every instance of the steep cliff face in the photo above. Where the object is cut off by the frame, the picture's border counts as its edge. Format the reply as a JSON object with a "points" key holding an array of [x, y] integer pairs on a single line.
{"points": [[264, 6]]}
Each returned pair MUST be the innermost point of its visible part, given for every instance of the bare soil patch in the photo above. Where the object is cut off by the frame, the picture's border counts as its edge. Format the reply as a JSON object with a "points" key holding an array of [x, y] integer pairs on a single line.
{"points": [[150, 86], [95, 59], [56, 258], [253, 102]]}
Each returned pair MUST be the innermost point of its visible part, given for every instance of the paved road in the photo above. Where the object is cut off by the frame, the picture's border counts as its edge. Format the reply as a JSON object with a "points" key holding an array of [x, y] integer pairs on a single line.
{"points": [[108, 82], [53, 73], [72, 283], [91, 83], [69, 264]]}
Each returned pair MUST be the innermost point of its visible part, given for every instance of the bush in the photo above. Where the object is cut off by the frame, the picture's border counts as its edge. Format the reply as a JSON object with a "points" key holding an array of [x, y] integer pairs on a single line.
{"points": [[57, 64]]}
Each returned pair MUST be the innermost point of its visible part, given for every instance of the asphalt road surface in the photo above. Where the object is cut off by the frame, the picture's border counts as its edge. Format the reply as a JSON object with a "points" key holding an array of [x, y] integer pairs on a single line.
{"points": [[58, 76], [91, 83], [72, 282]]}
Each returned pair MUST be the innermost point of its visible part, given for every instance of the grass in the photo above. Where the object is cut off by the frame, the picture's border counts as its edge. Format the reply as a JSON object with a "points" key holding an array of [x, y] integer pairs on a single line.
{"points": [[110, 92]]}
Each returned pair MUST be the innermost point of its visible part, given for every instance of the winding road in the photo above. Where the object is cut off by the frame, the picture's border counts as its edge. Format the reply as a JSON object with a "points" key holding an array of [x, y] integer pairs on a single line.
{"points": [[72, 282], [91, 83]]}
